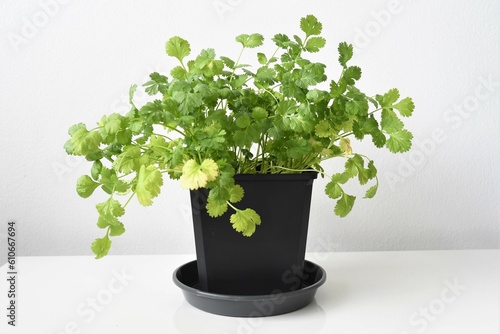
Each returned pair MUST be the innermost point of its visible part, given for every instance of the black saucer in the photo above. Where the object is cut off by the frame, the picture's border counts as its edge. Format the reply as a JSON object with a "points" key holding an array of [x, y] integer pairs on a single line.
{"points": [[186, 278]]}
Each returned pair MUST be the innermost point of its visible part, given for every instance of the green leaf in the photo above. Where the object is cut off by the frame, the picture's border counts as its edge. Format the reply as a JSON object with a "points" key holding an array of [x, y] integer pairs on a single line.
{"points": [[323, 129], [236, 193], [378, 138], [405, 107], [345, 53], [124, 137], [245, 138], [356, 166], [333, 190], [266, 75], [351, 74], [357, 107], [85, 186], [126, 161], [196, 175], [206, 64], [310, 25], [281, 40], [100, 247], [372, 171], [149, 181], [111, 124], [245, 221], [297, 123], [341, 178], [316, 95], [250, 41], [399, 141], [177, 47], [370, 193], [215, 209], [111, 183], [109, 210], [262, 59], [95, 171], [344, 205], [389, 98], [187, 101], [179, 73], [219, 194], [116, 230], [158, 83], [82, 141], [306, 79], [390, 122], [297, 148], [364, 126], [337, 89], [259, 113], [243, 121], [314, 44], [238, 81], [228, 62], [131, 93], [298, 40]]}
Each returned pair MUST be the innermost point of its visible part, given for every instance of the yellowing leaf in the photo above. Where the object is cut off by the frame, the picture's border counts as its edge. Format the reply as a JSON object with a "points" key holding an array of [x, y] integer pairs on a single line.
{"points": [[345, 146], [196, 176]]}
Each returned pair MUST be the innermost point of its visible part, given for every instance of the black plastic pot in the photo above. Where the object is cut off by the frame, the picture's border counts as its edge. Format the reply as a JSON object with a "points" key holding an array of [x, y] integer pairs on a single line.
{"points": [[270, 261]]}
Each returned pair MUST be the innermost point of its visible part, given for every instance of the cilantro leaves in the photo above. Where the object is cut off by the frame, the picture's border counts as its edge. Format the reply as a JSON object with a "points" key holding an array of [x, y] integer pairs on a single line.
{"points": [[212, 117]]}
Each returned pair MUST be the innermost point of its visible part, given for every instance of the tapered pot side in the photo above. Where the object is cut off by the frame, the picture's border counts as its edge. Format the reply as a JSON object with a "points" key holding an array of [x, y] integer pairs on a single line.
{"points": [[272, 259]]}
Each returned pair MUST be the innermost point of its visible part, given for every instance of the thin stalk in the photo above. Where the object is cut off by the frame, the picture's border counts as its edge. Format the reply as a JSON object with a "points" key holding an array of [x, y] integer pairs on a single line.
{"points": [[128, 201], [236, 64]]}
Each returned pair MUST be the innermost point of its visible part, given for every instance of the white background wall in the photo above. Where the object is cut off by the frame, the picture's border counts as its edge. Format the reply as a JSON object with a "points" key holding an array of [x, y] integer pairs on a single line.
{"points": [[70, 61]]}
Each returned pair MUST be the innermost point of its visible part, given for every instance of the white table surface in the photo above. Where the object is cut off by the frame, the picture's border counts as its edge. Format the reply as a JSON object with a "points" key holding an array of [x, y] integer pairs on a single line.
{"points": [[368, 292]]}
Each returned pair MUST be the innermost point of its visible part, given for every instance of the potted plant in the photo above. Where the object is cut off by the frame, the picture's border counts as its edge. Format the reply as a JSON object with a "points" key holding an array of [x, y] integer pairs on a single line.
{"points": [[247, 141]]}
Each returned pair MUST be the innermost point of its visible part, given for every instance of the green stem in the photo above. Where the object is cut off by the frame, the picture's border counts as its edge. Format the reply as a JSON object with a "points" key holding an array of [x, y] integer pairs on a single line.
{"points": [[232, 206], [270, 93], [166, 137], [374, 111], [128, 201], [303, 170], [236, 64], [276, 51], [346, 134], [176, 130]]}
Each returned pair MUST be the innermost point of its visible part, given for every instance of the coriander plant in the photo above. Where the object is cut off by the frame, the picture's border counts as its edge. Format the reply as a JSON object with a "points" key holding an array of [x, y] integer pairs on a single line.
{"points": [[214, 117]]}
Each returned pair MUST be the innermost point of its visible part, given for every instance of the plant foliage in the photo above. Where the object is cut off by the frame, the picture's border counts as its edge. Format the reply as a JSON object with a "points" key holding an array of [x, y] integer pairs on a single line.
{"points": [[214, 117]]}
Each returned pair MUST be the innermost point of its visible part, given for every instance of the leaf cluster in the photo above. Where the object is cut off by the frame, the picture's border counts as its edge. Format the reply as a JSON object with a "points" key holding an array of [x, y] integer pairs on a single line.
{"points": [[213, 117]]}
